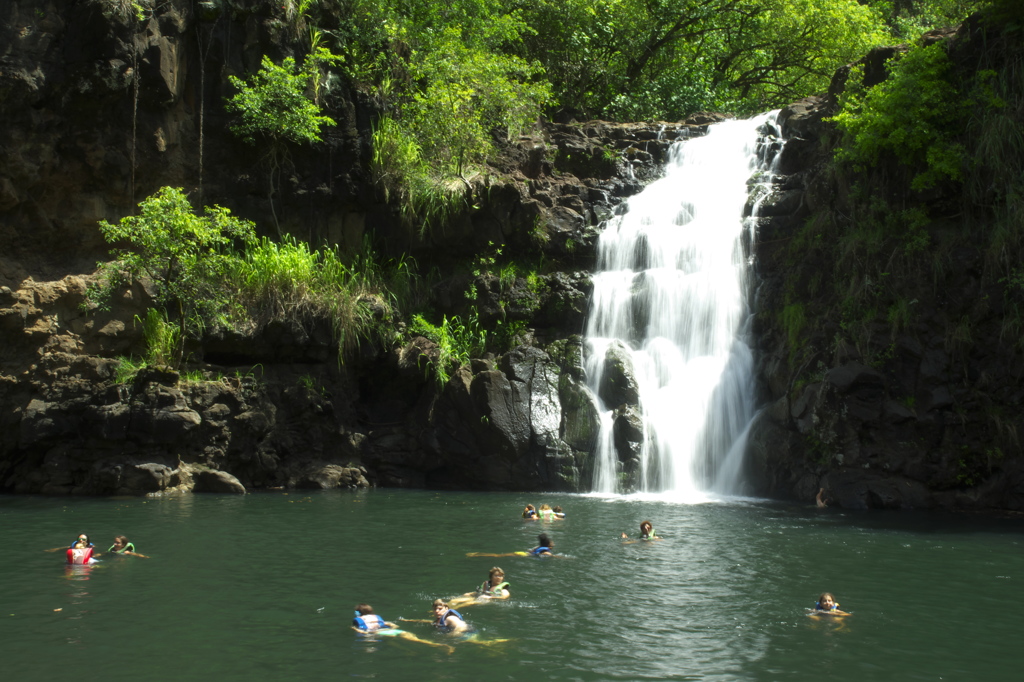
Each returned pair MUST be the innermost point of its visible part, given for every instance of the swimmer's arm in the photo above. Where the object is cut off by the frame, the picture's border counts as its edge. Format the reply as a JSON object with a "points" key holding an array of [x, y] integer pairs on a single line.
{"points": [[414, 620], [141, 556]]}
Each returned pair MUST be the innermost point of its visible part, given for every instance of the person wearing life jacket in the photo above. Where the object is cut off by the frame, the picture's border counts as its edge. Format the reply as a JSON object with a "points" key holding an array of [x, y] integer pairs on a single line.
{"points": [[646, 532], [530, 513], [543, 549], [447, 619], [494, 587], [828, 606], [544, 546], [369, 623], [548, 514], [122, 546], [80, 555], [559, 514], [84, 539]]}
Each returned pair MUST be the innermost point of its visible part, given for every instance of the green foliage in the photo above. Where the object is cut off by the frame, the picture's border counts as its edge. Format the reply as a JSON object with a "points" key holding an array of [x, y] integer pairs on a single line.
{"points": [[184, 255], [448, 81], [126, 10], [406, 177], [908, 19], [793, 322], [126, 370], [667, 58], [457, 341], [163, 339], [273, 103], [914, 115], [289, 280]]}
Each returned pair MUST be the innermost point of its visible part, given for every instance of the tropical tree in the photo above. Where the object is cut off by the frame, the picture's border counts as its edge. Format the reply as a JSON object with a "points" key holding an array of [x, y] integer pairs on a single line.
{"points": [[273, 108], [182, 254]]}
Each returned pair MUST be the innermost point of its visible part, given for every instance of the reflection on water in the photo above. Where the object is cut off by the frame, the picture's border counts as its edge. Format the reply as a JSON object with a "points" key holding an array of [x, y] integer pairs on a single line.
{"points": [[263, 586]]}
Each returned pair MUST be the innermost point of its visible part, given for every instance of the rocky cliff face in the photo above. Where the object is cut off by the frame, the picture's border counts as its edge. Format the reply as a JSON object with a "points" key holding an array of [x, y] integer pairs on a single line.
{"points": [[102, 108], [912, 401]]}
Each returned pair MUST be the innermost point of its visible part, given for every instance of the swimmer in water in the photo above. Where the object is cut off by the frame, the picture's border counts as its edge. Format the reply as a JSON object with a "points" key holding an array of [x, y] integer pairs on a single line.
{"points": [[542, 549], [448, 620], [547, 513], [369, 623], [122, 546], [79, 554], [827, 606], [495, 587], [559, 514], [82, 537], [646, 533], [820, 499], [530, 513]]}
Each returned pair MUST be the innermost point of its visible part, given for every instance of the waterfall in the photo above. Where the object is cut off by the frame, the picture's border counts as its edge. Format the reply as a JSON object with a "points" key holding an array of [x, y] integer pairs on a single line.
{"points": [[669, 309]]}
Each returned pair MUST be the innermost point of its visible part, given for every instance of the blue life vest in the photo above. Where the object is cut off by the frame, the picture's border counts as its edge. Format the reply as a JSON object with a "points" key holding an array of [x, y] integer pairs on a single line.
{"points": [[369, 622], [819, 607], [537, 550], [441, 622]]}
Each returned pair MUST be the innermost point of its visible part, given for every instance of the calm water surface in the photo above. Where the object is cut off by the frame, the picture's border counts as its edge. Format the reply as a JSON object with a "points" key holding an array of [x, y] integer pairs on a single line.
{"points": [[261, 587]]}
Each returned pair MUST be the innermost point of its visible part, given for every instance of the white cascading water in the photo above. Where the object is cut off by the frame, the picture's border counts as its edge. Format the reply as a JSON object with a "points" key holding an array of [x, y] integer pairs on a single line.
{"points": [[671, 287]]}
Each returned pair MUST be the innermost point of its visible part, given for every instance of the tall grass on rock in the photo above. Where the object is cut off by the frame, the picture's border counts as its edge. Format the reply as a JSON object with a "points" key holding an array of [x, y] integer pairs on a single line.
{"points": [[289, 280]]}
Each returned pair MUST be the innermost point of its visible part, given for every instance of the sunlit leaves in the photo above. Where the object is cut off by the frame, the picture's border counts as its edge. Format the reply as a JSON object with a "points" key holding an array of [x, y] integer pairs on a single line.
{"points": [[273, 102]]}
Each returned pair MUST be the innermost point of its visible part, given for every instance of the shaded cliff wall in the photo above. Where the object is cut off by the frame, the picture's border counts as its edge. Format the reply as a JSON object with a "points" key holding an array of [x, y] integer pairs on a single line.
{"points": [[892, 379], [100, 110]]}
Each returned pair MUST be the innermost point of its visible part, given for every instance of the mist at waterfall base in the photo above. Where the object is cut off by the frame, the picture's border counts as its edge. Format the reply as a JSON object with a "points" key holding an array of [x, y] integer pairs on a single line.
{"points": [[670, 293], [262, 587]]}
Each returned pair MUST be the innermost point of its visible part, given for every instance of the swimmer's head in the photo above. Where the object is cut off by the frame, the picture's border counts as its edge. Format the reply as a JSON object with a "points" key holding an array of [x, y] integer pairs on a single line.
{"points": [[120, 542], [646, 527], [364, 609], [440, 605], [82, 537], [545, 507], [544, 540], [557, 510], [826, 602], [496, 575]]}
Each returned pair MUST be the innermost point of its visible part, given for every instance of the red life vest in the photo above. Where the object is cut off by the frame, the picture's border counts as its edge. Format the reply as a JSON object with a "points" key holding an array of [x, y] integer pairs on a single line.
{"points": [[79, 557]]}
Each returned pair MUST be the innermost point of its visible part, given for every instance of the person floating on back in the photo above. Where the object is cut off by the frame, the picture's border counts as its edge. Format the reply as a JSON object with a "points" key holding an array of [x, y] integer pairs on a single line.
{"points": [[542, 549], [448, 620], [369, 623], [646, 533], [79, 554]]}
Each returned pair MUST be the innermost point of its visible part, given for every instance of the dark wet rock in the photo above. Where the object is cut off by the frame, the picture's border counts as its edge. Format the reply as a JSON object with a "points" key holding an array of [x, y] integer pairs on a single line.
{"points": [[618, 384]]}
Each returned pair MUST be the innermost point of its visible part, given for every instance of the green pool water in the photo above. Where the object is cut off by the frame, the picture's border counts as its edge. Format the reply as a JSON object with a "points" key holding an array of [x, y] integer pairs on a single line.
{"points": [[261, 587]]}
